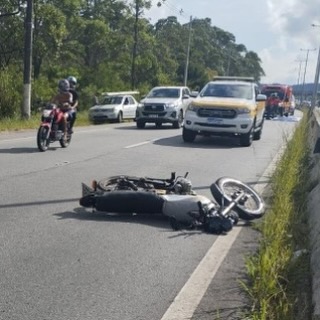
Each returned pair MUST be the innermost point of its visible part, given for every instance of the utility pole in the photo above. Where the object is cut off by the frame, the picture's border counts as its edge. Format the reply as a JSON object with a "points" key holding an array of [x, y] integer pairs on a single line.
{"points": [[188, 54], [316, 78], [26, 108]]}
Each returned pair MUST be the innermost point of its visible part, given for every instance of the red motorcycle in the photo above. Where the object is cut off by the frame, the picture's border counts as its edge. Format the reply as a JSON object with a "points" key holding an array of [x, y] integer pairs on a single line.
{"points": [[51, 128]]}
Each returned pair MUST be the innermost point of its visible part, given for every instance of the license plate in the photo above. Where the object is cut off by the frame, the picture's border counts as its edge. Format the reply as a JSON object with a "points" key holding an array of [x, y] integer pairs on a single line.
{"points": [[215, 120], [153, 115]]}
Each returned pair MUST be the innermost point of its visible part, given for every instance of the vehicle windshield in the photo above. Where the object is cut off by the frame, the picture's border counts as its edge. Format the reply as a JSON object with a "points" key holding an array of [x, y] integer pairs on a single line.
{"points": [[112, 100], [164, 93], [239, 91]]}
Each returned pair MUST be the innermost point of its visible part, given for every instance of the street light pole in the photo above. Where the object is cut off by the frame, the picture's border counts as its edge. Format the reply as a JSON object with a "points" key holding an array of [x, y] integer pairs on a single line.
{"points": [[188, 54], [230, 49], [305, 71], [299, 71], [316, 78]]}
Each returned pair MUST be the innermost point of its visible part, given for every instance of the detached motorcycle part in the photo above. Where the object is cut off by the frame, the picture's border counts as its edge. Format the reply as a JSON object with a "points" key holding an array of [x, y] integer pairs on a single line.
{"points": [[251, 206], [218, 225]]}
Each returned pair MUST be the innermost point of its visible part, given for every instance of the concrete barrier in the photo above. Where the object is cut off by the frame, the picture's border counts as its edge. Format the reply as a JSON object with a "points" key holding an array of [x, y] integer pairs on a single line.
{"points": [[314, 210]]}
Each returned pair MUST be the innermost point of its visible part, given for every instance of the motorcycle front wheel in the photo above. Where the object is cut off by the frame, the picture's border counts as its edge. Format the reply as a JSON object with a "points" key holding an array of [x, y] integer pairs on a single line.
{"points": [[64, 143], [42, 139], [225, 189]]}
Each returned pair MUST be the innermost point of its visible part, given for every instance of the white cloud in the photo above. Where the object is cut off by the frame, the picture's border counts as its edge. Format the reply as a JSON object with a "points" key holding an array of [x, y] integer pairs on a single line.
{"points": [[275, 30]]}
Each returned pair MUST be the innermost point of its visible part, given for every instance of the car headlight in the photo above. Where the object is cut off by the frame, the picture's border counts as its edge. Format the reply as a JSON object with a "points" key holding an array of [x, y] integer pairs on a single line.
{"points": [[243, 110], [171, 105], [191, 107]]}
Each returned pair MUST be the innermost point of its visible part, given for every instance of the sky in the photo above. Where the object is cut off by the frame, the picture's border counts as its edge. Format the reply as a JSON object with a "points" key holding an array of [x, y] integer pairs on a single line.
{"points": [[279, 31]]}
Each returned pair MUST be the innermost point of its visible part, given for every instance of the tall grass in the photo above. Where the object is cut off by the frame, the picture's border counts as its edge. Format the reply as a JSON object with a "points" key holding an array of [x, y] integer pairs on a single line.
{"points": [[279, 273]]}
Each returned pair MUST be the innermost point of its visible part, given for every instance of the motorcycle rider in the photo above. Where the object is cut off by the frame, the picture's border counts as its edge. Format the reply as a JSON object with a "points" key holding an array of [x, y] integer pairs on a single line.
{"points": [[64, 100], [272, 105], [75, 98]]}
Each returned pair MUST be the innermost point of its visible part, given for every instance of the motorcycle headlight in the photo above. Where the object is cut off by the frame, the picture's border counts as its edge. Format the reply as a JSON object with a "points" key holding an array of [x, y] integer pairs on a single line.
{"points": [[46, 113]]}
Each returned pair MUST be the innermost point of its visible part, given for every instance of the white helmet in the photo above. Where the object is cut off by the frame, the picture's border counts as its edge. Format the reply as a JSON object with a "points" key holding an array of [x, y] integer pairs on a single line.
{"points": [[72, 80]]}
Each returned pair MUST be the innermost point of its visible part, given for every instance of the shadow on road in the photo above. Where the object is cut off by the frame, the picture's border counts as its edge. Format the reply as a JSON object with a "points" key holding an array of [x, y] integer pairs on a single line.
{"points": [[22, 150], [36, 203], [199, 143], [28, 150], [158, 221], [154, 220], [147, 127]]}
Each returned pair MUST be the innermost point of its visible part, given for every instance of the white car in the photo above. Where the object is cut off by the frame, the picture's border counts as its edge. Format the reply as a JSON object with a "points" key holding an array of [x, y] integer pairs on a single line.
{"points": [[164, 105], [114, 106], [226, 106]]}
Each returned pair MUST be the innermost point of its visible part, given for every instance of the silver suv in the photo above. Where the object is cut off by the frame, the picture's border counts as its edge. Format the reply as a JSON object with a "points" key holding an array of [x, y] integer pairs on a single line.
{"points": [[163, 105], [226, 106]]}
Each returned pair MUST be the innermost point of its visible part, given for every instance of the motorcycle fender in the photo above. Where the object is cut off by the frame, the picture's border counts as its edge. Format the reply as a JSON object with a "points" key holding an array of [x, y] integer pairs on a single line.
{"points": [[46, 124]]}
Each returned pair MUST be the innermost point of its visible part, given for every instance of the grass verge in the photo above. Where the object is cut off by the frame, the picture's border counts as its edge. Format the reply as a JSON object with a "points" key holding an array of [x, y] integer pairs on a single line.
{"points": [[17, 124], [280, 277]]}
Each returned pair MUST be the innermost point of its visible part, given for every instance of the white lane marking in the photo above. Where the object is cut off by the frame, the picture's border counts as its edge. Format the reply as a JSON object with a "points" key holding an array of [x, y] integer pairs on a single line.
{"points": [[188, 299], [141, 143], [192, 292]]}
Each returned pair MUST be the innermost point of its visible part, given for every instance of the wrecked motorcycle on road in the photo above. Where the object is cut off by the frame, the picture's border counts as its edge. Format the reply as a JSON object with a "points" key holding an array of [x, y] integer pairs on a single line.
{"points": [[175, 198]]}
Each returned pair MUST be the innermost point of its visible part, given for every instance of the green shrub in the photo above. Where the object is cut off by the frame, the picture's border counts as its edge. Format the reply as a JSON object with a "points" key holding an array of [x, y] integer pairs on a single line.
{"points": [[11, 89]]}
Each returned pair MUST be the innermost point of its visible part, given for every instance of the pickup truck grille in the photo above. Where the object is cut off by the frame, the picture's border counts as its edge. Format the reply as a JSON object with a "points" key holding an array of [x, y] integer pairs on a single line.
{"points": [[153, 114], [217, 113], [154, 107]]}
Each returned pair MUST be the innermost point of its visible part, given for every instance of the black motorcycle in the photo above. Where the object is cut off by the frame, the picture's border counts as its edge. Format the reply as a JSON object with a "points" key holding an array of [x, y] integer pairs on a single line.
{"points": [[175, 198]]}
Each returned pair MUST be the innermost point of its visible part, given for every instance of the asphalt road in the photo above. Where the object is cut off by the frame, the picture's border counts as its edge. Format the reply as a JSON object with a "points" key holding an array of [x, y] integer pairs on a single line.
{"points": [[60, 261]]}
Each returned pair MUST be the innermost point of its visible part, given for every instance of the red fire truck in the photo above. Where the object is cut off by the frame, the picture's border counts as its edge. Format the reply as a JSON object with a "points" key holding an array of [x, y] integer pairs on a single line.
{"points": [[284, 93]]}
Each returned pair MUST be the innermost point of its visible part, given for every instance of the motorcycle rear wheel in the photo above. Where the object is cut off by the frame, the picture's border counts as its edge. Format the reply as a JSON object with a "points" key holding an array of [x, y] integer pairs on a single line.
{"points": [[121, 182], [42, 141], [225, 188], [124, 182]]}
